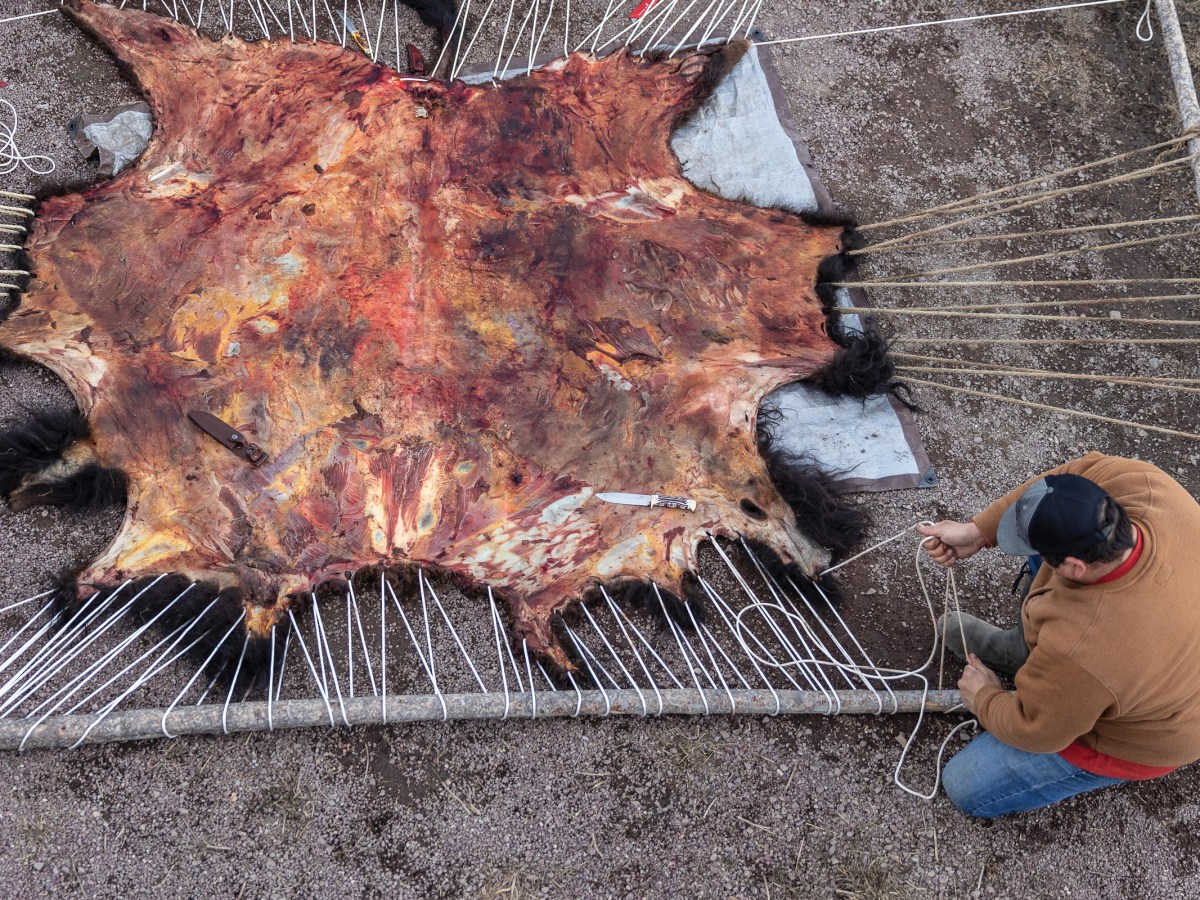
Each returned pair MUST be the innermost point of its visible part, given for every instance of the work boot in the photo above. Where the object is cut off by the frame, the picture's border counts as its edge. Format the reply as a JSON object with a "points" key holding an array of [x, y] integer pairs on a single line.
{"points": [[1001, 650]]}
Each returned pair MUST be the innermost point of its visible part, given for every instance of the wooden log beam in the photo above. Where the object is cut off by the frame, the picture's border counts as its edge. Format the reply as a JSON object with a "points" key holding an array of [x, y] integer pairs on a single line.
{"points": [[146, 724], [1181, 77]]}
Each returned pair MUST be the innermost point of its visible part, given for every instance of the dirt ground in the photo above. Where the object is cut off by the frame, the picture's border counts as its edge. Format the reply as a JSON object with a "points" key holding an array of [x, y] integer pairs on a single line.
{"points": [[689, 807]]}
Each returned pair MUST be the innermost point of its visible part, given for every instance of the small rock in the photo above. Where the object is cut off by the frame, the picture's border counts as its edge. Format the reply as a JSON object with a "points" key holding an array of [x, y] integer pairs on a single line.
{"points": [[38, 866]]}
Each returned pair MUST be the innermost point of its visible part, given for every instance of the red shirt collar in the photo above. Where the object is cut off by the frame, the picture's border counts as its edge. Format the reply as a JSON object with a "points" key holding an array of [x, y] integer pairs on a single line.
{"points": [[1128, 564]]}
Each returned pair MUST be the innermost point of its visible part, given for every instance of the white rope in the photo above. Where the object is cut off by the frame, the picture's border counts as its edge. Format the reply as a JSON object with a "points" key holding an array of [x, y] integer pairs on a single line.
{"points": [[1145, 27], [871, 672], [27, 16], [11, 157], [954, 21], [894, 537], [471, 43]]}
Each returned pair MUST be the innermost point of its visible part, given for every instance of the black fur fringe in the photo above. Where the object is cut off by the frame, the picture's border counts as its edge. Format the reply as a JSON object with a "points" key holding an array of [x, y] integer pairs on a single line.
{"points": [[87, 489], [209, 614], [850, 240], [720, 62], [863, 368], [29, 448], [820, 502], [437, 14]]}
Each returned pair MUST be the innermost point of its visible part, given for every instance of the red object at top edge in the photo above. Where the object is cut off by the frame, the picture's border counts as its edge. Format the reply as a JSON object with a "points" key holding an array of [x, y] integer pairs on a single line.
{"points": [[642, 8]]}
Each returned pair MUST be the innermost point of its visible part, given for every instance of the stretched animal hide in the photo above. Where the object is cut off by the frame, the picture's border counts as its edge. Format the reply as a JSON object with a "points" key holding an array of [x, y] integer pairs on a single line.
{"points": [[450, 314]]}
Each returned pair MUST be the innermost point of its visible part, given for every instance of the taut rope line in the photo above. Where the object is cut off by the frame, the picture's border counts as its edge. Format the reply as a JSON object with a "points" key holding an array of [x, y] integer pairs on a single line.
{"points": [[1061, 410], [1021, 235], [1053, 254], [1030, 304], [954, 21], [977, 198], [1052, 376], [1031, 317], [1135, 379], [1027, 200], [1048, 342], [1062, 282]]}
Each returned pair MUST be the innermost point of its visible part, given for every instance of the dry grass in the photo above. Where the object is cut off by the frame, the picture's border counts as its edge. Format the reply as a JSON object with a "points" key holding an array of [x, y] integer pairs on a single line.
{"points": [[872, 881], [36, 832], [519, 884], [688, 750], [290, 801]]}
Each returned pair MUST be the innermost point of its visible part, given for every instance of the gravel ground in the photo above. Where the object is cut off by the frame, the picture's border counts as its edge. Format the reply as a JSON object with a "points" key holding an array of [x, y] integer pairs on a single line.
{"points": [[730, 807]]}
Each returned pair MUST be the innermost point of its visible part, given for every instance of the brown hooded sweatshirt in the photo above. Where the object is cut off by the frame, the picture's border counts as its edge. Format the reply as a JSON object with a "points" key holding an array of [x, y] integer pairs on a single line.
{"points": [[1115, 666]]}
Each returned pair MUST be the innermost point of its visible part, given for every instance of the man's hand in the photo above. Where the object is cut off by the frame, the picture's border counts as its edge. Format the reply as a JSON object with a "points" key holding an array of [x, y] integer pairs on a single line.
{"points": [[950, 541], [975, 677]]}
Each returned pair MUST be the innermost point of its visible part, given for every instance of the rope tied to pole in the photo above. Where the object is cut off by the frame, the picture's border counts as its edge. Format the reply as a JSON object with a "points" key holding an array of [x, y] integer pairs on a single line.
{"points": [[950, 598]]}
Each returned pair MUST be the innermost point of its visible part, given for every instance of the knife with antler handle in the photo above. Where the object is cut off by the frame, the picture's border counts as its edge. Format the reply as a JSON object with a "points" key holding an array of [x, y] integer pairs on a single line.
{"points": [[648, 500]]}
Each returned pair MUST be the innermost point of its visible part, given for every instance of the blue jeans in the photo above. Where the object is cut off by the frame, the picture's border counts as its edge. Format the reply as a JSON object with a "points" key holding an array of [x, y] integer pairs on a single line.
{"points": [[988, 778]]}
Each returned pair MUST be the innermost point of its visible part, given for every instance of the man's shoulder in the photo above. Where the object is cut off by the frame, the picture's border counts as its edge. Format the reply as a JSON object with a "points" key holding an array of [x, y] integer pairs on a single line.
{"points": [[1134, 483], [1099, 467]]}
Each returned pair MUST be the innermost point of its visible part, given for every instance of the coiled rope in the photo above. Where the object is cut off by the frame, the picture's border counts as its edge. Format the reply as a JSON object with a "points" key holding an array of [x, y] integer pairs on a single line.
{"points": [[11, 157]]}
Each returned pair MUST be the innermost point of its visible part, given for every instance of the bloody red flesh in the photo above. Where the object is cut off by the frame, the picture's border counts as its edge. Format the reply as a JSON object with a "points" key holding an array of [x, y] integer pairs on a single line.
{"points": [[450, 314]]}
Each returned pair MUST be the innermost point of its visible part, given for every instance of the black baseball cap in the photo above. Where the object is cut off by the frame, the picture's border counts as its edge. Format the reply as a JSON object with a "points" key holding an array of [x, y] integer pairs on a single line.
{"points": [[1059, 515]]}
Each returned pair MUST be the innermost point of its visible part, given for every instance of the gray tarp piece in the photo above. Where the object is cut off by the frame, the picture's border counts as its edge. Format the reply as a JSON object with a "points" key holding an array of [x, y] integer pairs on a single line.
{"points": [[735, 147], [119, 135]]}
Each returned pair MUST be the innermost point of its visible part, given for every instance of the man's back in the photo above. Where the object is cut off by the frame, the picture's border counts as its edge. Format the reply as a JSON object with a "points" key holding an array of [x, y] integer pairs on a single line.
{"points": [[1126, 651]]}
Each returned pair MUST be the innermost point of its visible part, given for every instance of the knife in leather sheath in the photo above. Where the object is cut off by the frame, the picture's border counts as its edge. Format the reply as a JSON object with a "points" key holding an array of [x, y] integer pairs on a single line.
{"points": [[229, 436]]}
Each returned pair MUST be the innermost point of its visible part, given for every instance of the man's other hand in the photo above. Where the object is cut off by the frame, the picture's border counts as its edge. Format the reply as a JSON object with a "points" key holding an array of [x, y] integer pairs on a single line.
{"points": [[950, 541], [975, 677]]}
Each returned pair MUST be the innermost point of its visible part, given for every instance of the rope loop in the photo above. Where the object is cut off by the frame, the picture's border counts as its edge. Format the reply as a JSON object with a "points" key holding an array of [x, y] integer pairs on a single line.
{"points": [[1145, 26], [884, 675], [11, 157]]}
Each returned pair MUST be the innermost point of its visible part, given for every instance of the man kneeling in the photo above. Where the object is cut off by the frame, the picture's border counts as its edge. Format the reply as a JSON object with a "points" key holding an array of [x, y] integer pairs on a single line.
{"points": [[1106, 655]]}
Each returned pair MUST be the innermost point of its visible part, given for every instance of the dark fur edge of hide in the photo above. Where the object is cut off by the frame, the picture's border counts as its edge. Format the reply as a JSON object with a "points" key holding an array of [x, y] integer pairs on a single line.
{"points": [[10, 357], [28, 448], [782, 572], [437, 14], [210, 621], [817, 219], [721, 60], [816, 496], [863, 367], [87, 489]]}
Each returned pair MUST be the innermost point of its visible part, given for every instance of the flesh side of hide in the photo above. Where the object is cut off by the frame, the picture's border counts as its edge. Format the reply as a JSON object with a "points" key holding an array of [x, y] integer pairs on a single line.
{"points": [[451, 314]]}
